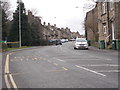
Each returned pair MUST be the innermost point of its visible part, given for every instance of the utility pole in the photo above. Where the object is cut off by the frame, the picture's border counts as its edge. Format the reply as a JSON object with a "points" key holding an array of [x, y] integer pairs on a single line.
{"points": [[19, 2]]}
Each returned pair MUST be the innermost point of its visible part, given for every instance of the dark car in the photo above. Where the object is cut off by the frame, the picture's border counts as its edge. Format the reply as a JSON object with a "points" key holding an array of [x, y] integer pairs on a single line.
{"points": [[58, 42]]}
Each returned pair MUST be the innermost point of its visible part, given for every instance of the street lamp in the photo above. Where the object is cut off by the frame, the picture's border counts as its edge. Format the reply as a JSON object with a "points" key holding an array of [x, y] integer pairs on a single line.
{"points": [[19, 1]]}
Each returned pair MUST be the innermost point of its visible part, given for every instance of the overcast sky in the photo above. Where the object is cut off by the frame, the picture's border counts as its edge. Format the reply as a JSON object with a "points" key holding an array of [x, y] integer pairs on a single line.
{"points": [[63, 13]]}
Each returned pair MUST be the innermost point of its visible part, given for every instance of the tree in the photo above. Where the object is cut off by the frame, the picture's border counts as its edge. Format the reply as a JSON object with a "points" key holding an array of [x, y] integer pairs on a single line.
{"points": [[25, 28], [5, 11]]}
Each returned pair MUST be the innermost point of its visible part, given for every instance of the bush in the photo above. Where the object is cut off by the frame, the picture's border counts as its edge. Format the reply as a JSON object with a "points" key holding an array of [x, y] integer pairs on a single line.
{"points": [[4, 47], [13, 44]]}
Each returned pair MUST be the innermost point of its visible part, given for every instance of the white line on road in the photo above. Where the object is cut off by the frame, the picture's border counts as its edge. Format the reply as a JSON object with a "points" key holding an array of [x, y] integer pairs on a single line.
{"points": [[109, 71], [49, 61], [90, 70], [55, 64], [64, 68], [113, 65], [60, 60], [12, 81]]}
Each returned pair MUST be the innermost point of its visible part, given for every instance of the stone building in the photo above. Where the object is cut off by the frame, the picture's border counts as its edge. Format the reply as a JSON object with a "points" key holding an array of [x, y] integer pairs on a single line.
{"points": [[50, 32], [91, 25], [75, 35], [109, 20], [104, 20]]}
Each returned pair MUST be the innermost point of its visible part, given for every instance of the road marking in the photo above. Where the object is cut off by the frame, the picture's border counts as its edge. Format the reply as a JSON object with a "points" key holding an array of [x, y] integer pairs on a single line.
{"points": [[64, 68], [49, 61], [8, 74], [12, 81], [108, 71], [60, 60], [7, 64], [54, 70], [6, 81], [55, 64], [112, 65], [90, 70]]}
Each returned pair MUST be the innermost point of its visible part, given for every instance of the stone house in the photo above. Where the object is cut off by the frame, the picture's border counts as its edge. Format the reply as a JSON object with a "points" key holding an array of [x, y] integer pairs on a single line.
{"points": [[91, 25], [109, 20], [104, 19], [50, 32]]}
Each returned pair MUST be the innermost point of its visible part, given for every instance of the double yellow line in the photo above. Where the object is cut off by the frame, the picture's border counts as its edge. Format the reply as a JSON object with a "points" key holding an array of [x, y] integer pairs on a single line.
{"points": [[7, 74]]}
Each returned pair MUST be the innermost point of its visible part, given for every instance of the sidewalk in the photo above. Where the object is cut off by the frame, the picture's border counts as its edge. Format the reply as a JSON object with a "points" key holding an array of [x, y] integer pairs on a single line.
{"points": [[103, 50], [1, 71]]}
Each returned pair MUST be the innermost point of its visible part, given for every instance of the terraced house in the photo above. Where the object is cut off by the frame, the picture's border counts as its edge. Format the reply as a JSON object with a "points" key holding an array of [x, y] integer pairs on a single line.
{"points": [[108, 20], [49, 32]]}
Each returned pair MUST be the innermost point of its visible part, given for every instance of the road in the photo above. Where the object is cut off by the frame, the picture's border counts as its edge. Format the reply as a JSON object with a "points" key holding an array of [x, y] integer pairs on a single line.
{"points": [[61, 67]]}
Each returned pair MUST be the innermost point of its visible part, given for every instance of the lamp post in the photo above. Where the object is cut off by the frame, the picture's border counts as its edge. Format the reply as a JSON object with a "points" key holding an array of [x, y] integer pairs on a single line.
{"points": [[19, 1]]}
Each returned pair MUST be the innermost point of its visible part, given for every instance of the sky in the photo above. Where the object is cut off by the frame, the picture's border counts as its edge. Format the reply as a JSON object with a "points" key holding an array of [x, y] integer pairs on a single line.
{"points": [[63, 13]]}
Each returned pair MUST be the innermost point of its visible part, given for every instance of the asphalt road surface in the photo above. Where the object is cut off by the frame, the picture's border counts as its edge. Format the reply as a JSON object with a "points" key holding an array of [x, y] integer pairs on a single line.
{"points": [[61, 67]]}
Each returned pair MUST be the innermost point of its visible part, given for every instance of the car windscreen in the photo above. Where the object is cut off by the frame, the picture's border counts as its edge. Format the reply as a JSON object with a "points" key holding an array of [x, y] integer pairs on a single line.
{"points": [[80, 40]]}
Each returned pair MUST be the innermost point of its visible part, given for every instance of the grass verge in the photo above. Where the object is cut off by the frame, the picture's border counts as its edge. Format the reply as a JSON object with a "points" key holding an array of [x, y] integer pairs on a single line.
{"points": [[9, 49]]}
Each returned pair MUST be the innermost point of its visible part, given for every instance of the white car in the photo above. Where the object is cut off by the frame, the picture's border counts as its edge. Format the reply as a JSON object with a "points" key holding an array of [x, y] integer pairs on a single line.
{"points": [[63, 40], [81, 43]]}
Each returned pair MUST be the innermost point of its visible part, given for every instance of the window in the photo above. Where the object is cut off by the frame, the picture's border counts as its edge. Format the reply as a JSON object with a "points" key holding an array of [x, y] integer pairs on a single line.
{"points": [[104, 7], [104, 28], [111, 4]]}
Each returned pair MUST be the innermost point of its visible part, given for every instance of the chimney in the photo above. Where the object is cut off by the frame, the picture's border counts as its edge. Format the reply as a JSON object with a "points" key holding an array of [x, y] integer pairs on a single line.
{"points": [[44, 23]]}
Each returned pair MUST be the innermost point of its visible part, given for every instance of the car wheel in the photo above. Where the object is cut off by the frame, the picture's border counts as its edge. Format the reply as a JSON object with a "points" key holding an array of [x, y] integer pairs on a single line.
{"points": [[86, 48], [75, 48]]}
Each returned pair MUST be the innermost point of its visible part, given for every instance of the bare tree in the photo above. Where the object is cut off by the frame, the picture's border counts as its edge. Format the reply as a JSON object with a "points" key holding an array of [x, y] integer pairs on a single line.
{"points": [[34, 11], [5, 5]]}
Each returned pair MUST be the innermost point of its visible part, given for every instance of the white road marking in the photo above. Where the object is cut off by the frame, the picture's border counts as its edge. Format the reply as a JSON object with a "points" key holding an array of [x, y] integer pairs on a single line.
{"points": [[108, 59], [12, 81], [64, 68], [11, 60], [49, 61], [111, 71], [55, 64], [21, 59], [60, 60], [113, 65], [90, 70]]}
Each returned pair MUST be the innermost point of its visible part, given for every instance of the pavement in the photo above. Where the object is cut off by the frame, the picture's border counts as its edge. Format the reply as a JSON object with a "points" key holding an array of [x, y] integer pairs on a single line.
{"points": [[0, 70]]}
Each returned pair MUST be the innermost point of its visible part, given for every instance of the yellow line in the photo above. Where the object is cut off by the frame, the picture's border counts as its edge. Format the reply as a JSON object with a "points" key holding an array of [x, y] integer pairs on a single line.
{"points": [[12, 81], [64, 68], [7, 64], [7, 72], [6, 81]]}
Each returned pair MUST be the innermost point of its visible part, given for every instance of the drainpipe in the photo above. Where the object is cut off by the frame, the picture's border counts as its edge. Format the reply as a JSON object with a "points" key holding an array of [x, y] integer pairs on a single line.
{"points": [[109, 32]]}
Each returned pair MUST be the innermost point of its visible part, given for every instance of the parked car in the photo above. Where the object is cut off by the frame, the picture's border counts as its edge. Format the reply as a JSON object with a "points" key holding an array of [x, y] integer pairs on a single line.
{"points": [[66, 40], [63, 40], [72, 39], [58, 42], [81, 43]]}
